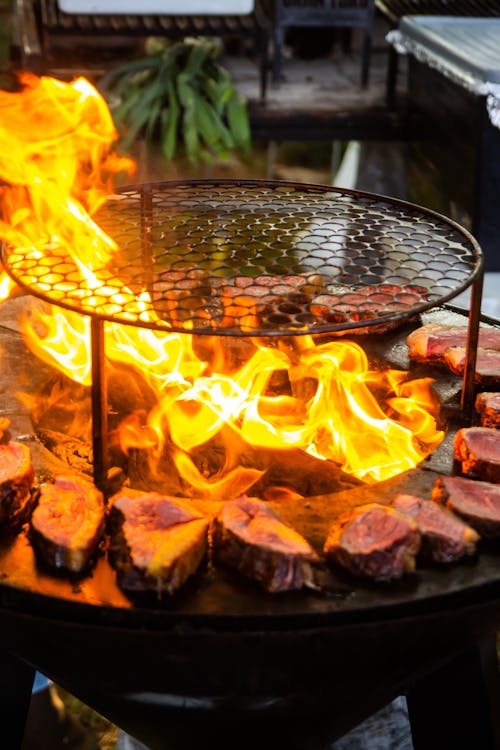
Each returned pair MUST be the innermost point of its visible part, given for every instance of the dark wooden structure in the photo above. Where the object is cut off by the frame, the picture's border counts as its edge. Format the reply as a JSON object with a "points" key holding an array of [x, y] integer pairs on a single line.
{"points": [[41, 25], [319, 14]]}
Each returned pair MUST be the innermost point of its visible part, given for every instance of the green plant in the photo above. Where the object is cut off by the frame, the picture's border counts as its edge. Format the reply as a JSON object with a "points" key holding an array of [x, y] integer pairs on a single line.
{"points": [[182, 96]]}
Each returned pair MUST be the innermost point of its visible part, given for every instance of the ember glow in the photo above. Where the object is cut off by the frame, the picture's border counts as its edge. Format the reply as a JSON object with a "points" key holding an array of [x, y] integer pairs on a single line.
{"points": [[288, 393]]}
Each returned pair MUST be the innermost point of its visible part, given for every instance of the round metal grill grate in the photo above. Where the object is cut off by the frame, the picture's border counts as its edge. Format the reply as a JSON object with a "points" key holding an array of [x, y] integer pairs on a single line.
{"points": [[256, 257]]}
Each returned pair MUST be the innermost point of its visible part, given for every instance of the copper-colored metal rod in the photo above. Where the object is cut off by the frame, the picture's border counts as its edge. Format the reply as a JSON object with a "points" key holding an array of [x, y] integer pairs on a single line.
{"points": [[467, 401], [99, 396]]}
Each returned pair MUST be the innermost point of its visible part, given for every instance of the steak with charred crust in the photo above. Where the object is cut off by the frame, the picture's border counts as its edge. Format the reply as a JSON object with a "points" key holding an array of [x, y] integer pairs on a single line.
{"points": [[445, 538], [428, 343], [478, 450], [374, 541], [16, 480], [487, 372], [488, 407], [68, 523], [478, 503], [249, 536], [156, 541]]}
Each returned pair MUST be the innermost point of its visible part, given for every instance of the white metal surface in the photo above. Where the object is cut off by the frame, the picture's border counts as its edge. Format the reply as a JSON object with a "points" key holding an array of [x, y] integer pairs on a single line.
{"points": [[158, 7]]}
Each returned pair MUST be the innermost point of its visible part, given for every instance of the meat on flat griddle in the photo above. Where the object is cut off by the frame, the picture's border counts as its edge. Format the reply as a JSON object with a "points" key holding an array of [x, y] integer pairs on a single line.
{"points": [[488, 407], [478, 451], [374, 541], [487, 372], [429, 342], [445, 537], [16, 480], [67, 523], [341, 304], [249, 536], [156, 541], [478, 503]]}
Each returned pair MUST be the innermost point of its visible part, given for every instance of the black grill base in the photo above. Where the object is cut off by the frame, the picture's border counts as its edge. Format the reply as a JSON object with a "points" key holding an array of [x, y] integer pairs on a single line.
{"points": [[194, 687]]}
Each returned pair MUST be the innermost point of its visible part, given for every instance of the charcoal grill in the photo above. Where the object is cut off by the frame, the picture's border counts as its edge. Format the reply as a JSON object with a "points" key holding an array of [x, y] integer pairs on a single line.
{"points": [[222, 662], [254, 258]]}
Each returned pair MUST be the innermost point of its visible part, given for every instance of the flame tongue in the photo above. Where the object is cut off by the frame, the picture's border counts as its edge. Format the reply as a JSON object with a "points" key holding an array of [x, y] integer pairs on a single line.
{"points": [[54, 152], [330, 412]]}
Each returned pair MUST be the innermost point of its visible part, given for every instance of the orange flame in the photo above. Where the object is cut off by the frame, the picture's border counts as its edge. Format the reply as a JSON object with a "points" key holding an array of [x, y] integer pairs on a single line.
{"points": [[55, 158], [326, 403], [330, 411]]}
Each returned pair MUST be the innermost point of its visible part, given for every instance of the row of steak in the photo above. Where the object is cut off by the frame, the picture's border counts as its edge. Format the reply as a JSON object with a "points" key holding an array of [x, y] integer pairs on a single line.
{"points": [[382, 541], [446, 345], [155, 542]]}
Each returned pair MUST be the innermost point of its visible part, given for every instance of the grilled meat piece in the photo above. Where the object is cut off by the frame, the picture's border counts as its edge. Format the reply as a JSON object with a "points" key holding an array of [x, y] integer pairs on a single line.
{"points": [[156, 541], [429, 342], [478, 450], [374, 541], [488, 407], [478, 503], [342, 304], [445, 538], [249, 536], [16, 480], [487, 364], [68, 523]]}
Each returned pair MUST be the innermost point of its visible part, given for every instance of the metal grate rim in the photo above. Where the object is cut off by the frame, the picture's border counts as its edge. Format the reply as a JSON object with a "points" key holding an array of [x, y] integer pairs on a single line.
{"points": [[255, 257]]}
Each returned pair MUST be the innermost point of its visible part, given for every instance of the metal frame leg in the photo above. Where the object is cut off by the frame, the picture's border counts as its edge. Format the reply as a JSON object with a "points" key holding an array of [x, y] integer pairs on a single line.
{"points": [[16, 682], [392, 77], [278, 40], [365, 58], [99, 398], [263, 44], [458, 705]]}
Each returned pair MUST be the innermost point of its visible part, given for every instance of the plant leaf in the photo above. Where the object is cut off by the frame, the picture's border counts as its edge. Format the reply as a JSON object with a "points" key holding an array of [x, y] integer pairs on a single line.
{"points": [[169, 123], [153, 119], [237, 117], [128, 68]]}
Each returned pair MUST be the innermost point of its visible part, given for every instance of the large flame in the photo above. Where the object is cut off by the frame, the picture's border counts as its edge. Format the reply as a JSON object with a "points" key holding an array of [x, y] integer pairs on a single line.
{"points": [[319, 398], [55, 157]]}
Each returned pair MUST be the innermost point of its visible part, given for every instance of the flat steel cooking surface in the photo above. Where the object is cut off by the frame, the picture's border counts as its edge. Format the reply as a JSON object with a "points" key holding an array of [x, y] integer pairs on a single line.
{"points": [[219, 595], [256, 257]]}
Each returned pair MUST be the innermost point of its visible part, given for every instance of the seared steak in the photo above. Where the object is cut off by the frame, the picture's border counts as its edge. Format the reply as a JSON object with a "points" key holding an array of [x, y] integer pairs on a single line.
{"points": [[478, 503], [250, 537], [430, 341], [341, 304], [16, 480], [488, 408], [156, 542], [478, 450], [487, 371], [68, 523], [375, 541], [445, 537]]}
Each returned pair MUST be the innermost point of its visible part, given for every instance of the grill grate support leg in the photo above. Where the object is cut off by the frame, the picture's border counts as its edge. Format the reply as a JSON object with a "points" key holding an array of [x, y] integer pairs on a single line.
{"points": [[99, 396]]}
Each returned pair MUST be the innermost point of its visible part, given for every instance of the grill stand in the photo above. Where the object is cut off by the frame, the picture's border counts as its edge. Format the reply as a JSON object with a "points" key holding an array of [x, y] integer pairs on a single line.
{"points": [[457, 705], [99, 398], [468, 389], [16, 682], [453, 706]]}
